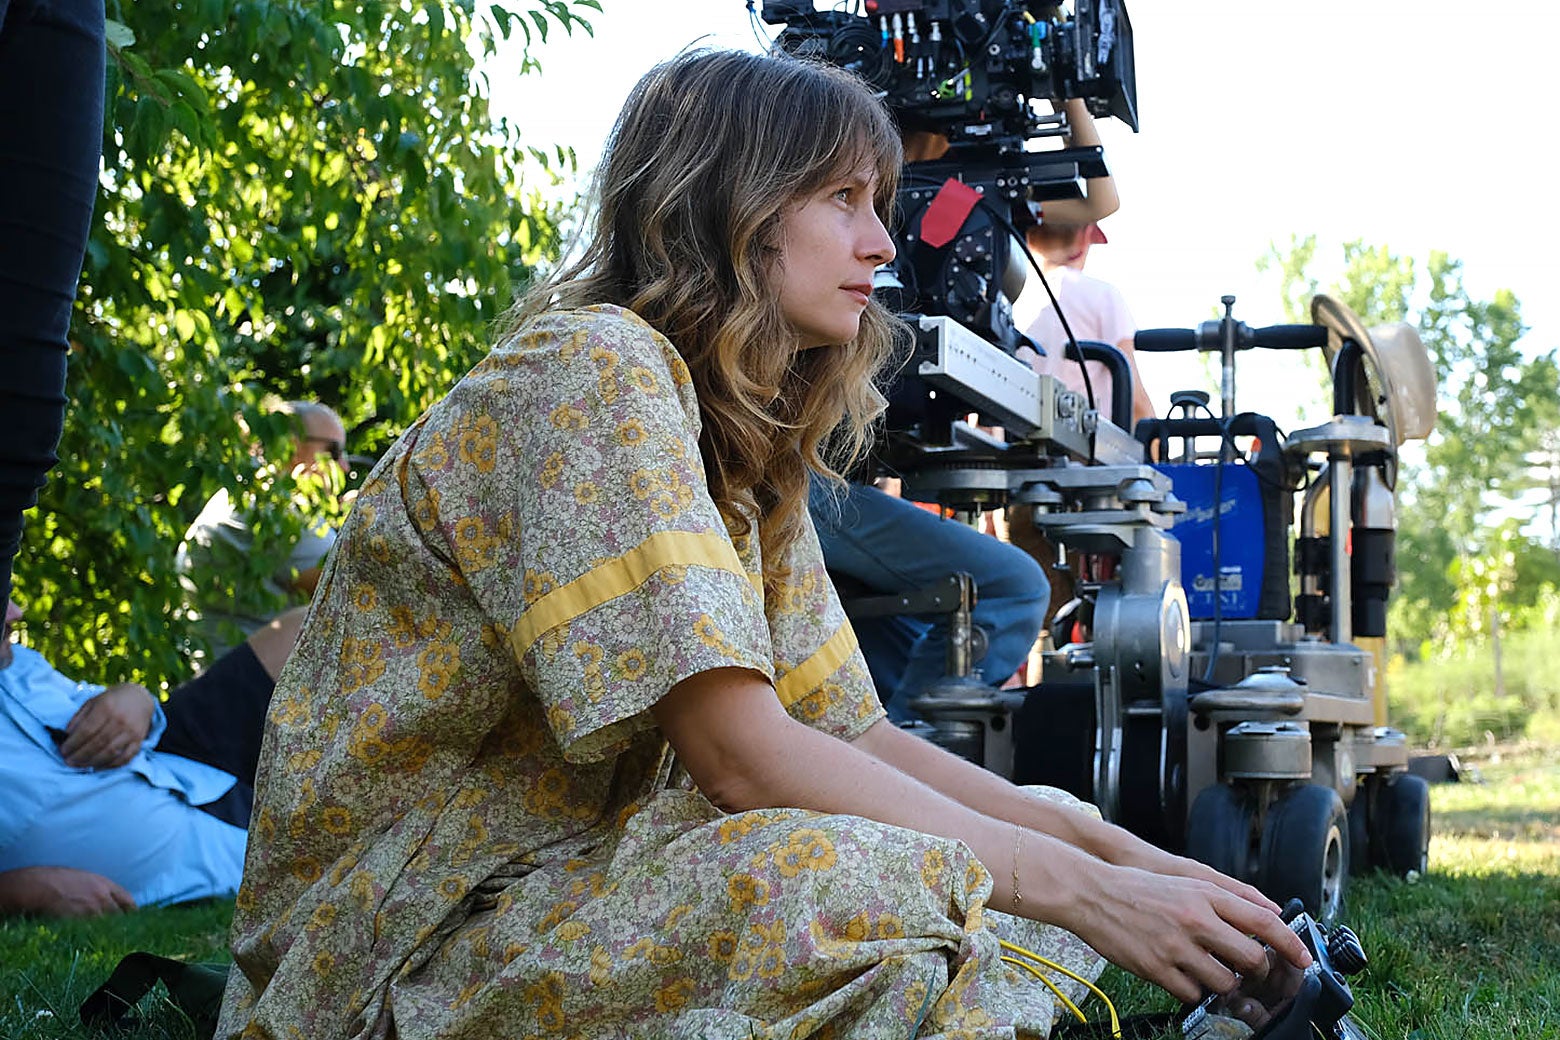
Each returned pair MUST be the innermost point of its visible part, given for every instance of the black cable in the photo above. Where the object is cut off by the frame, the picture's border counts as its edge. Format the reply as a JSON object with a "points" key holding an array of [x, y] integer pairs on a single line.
{"points": [[757, 25], [1008, 8], [1226, 440]]}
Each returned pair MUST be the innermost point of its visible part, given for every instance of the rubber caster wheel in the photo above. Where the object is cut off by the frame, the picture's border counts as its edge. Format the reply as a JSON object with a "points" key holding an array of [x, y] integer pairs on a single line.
{"points": [[1361, 858], [1219, 831], [1304, 852], [1401, 825]]}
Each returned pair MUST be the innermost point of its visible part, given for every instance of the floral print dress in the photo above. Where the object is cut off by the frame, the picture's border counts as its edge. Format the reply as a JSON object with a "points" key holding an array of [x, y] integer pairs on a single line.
{"points": [[466, 822]]}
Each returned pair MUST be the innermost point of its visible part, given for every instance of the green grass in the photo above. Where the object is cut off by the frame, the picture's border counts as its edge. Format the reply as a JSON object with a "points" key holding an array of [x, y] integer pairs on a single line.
{"points": [[1469, 952], [47, 968]]}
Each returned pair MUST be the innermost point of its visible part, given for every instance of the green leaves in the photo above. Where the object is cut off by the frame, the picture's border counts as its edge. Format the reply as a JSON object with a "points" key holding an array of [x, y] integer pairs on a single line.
{"points": [[1466, 515], [309, 200], [117, 34]]}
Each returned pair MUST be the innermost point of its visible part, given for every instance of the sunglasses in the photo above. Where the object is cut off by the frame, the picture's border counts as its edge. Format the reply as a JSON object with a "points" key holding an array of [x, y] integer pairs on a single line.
{"points": [[336, 450]]}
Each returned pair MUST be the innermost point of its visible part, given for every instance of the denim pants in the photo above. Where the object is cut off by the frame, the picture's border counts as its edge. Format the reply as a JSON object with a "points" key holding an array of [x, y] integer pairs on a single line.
{"points": [[891, 546], [51, 139]]}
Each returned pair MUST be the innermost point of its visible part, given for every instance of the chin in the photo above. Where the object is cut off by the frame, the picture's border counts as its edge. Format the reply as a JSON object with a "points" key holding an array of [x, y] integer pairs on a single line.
{"points": [[829, 338]]}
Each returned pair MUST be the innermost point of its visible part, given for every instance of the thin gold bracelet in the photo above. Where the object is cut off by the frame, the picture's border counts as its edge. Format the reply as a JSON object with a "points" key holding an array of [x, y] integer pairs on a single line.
{"points": [[1018, 844]]}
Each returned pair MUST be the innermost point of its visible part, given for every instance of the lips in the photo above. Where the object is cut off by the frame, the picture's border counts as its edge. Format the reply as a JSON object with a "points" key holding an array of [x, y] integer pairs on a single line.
{"points": [[863, 290]]}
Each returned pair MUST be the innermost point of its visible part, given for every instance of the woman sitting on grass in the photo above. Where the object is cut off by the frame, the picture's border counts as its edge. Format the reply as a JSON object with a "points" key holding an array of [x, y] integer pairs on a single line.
{"points": [[577, 739]]}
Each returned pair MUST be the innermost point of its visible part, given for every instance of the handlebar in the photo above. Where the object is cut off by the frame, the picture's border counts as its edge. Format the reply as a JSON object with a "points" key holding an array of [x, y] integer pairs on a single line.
{"points": [[1207, 337]]}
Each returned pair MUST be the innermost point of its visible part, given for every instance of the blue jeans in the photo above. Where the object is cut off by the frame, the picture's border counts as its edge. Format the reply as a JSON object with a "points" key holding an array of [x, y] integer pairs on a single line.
{"points": [[51, 138], [892, 545]]}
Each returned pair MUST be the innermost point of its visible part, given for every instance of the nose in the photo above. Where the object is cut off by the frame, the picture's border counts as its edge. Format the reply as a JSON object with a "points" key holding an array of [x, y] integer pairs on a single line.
{"points": [[13, 612], [875, 244]]}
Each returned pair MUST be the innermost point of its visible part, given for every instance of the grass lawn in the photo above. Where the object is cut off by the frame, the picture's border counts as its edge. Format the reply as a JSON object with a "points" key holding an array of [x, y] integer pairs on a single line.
{"points": [[47, 968], [1470, 952]]}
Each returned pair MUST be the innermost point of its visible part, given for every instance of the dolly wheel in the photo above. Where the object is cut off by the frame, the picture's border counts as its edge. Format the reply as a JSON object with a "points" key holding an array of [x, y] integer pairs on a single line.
{"points": [[1219, 832], [1304, 851], [1401, 824], [1361, 856]]}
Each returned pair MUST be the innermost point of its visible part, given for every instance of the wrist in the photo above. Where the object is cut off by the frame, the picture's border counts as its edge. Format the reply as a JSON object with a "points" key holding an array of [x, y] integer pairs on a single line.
{"points": [[1058, 882]]}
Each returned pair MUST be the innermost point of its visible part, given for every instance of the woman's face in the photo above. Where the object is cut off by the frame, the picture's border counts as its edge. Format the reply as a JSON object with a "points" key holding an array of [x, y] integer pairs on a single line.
{"points": [[832, 241]]}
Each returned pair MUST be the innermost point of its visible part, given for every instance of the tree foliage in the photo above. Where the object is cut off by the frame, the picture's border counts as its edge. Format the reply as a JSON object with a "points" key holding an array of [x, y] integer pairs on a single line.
{"points": [[302, 199], [1466, 540]]}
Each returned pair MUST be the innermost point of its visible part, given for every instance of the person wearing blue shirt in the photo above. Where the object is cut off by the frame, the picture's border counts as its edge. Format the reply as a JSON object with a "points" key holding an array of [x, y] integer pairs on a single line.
{"points": [[110, 799]]}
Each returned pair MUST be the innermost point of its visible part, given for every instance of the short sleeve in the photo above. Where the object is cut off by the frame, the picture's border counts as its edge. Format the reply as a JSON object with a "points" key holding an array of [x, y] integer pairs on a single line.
{"points": [[563, 477], [820, 674]]}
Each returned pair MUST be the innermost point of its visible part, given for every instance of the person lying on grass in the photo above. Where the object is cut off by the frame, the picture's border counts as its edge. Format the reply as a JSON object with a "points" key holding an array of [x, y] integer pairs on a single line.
{"points": [[110, 799]]}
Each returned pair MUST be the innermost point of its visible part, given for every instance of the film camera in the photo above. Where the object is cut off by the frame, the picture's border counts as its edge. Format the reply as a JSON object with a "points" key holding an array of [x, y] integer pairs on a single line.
{"points": [[967, 68], [970, 71]]}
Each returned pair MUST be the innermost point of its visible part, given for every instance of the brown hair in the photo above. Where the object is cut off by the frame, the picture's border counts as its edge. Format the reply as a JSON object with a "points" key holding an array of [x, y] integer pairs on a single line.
{"points": [[709, 151], [1053, 233]]}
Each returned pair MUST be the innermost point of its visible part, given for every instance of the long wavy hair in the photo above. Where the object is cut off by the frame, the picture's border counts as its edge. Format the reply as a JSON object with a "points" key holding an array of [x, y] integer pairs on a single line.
{"points": [[709, 151]]}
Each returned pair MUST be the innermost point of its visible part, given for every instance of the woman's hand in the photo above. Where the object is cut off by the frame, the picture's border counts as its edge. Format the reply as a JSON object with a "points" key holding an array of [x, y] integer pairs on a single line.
{"points": [[107, 731], [1186, 934], [1131, 851]]}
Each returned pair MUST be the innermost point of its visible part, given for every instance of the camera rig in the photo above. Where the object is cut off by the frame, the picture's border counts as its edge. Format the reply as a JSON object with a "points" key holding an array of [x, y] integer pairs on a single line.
{"points": [[969, 72], [1178, 696], [968, 68]]}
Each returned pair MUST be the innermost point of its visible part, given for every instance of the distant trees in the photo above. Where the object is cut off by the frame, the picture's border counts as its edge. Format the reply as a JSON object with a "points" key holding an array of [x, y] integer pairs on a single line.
{"points": [[1477, 542], [303, 199]]}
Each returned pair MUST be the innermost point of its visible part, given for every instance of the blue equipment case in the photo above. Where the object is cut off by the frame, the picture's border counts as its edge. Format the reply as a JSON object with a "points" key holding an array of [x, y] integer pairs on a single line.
{"points": [[1237, 524]]}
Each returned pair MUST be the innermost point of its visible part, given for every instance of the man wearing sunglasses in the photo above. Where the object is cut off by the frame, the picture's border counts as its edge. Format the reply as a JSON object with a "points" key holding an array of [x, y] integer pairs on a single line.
{"points": [[216, 549]]}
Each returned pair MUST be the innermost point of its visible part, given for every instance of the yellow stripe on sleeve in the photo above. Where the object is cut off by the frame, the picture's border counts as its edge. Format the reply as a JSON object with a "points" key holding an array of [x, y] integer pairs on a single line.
{"points": [[825, 661], [624, 574]]}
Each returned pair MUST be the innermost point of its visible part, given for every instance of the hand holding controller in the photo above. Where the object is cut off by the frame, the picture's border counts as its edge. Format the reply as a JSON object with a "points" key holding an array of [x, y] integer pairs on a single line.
{"points": [[1284, 1002]]}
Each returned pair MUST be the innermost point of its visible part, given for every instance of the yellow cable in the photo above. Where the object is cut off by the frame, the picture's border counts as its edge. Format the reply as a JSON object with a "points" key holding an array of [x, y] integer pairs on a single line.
{"points": [[1115, 1021], [1067, 1003]]}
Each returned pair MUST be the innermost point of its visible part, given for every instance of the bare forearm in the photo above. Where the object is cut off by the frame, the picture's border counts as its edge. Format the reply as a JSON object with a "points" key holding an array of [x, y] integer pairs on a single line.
{"points": [[991, 795], [745, 752], [1100, 196], [811, 770], [984, 791], [1074, 870]]}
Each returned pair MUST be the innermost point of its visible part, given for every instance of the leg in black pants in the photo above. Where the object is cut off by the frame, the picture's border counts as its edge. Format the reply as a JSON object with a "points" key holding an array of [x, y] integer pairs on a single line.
{"points": [[218, 717], [51, 137]]}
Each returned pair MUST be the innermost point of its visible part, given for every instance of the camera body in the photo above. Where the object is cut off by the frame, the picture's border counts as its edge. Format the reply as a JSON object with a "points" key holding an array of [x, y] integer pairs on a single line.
{"points": [[968, 68], [969, 72]]}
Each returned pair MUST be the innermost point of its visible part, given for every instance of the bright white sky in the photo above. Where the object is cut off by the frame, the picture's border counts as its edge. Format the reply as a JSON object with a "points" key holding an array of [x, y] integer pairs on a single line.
{"points": [[1419, 124]]}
